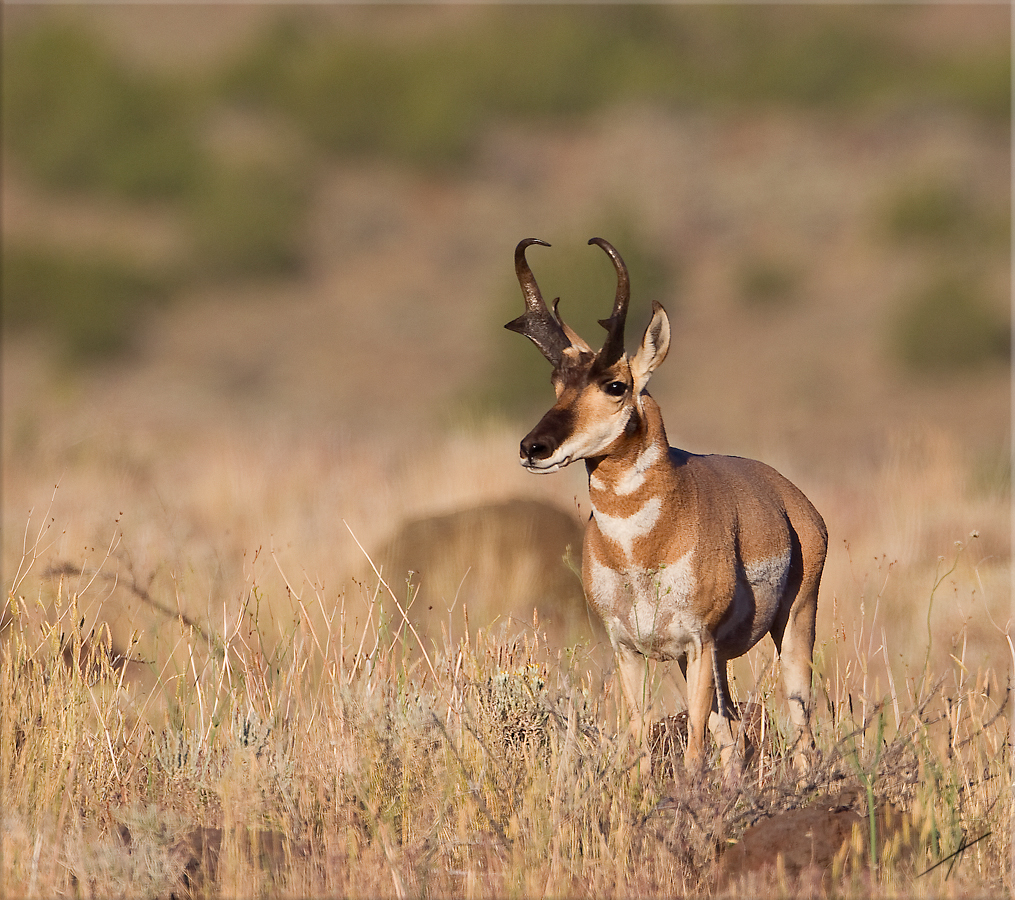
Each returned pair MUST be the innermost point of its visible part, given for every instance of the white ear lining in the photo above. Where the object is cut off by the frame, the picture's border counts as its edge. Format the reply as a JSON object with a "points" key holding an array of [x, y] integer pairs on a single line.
{"points": [[653, 349]]}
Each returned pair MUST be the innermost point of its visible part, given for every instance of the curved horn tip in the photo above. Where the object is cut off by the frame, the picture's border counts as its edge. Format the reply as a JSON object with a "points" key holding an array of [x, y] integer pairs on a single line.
{"points": [[612, 252], [528, 242]]}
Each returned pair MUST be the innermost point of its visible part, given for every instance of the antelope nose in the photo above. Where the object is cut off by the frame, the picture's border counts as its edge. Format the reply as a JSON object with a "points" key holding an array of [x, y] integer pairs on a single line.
{"points": [[536, 448]]}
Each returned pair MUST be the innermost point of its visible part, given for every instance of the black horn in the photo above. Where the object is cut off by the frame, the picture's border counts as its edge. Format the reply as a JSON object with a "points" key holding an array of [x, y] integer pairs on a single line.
{"points": [[536, 323], [613, 347]]}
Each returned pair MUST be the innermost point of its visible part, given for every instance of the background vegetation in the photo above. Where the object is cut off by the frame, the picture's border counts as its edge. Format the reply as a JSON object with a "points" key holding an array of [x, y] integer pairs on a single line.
{"points": [[79, 119]]}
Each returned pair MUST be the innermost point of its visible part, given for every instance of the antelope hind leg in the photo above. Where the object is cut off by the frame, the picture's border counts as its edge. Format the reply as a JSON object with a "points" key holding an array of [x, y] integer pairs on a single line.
{"points": [[796, 658]]}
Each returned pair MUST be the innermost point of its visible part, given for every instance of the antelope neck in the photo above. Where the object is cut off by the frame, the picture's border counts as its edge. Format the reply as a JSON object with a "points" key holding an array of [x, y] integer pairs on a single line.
{"points": [[625, 470]]}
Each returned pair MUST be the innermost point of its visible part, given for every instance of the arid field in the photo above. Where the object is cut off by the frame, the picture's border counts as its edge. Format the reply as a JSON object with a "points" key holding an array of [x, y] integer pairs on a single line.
{"points": [[270, 564]]}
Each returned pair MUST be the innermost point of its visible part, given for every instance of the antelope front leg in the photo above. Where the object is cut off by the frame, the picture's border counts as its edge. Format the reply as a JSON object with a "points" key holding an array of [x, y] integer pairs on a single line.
{"points": [[633, 670], [700, 675]]}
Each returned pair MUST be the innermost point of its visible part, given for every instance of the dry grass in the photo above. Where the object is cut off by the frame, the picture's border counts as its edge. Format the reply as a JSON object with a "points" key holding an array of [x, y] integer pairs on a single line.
{"points": [[191, 707], [483, 771]]}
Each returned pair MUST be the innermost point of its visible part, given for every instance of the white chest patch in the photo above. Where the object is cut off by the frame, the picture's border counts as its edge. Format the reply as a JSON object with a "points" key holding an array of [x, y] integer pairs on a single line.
{"points": [[649, 610], [625, 530], [661, 595]]}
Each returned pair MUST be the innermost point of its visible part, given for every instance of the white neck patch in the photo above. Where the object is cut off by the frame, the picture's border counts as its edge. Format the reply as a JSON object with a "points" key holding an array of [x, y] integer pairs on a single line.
{"points": [[625, 530], [634, 477]]}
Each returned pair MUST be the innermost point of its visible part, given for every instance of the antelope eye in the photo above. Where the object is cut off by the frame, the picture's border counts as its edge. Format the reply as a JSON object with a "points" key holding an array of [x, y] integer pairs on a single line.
{"points": [[616, 388]]}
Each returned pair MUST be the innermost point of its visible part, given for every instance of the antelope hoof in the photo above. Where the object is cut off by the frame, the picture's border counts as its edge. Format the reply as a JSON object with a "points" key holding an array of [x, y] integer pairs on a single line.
{"points": [[645, 767], [802, 761], [694, 760], [732, 776]]}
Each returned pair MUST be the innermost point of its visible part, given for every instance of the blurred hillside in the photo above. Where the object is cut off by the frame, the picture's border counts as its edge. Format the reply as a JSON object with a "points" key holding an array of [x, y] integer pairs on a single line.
{"points": [[304, 217], [257, 261]]}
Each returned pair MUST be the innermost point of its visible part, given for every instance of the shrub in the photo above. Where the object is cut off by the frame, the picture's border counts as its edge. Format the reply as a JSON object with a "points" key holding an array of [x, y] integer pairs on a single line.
{"points": [[424, 101], [767, 283], [79, 120], [91, 304], [245, 220], [979, 82], [948, 326], [354, 96], [940, 213]]}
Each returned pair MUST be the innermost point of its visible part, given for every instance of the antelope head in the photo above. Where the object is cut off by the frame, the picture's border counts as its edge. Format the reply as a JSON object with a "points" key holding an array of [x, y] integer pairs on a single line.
{"points": [[599, 394]]}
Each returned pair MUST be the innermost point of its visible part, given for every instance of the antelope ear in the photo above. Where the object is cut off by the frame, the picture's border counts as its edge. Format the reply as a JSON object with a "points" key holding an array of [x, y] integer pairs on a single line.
{"points": [[652, 351]]}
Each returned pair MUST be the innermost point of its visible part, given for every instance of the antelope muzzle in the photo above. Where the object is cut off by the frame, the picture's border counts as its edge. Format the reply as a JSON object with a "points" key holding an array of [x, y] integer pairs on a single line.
{"points": [[540, 445]]}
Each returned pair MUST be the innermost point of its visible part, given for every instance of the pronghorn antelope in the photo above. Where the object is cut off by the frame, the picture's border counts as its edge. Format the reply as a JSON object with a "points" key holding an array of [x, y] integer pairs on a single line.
{"points": [[686, 557]]}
